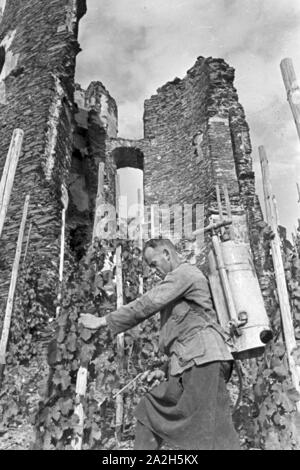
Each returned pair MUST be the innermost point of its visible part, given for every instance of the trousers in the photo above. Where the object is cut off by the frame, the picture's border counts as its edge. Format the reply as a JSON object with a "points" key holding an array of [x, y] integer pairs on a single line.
{"points": [[190, 411]]}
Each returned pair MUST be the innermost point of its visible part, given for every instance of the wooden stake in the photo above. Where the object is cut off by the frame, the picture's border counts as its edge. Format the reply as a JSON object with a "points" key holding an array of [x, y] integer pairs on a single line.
{"points": [[81, 386], [120, 343], [220, 208], [286, 315], [65, 202], [119, 279], [140, 242], [9, 172], [292, 88], [27, 244], [276, 213], [16, 142], [154, 221], [219, 201], [298, 190], [11, 294], [100, 196], [120, 337]]}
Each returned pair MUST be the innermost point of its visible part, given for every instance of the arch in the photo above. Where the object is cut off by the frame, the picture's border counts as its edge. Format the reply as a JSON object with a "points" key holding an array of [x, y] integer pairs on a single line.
{"points": [[128, 157]]}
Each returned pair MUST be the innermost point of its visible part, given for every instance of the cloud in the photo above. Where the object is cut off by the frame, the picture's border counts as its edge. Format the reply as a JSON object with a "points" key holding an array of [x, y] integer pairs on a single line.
{"points": [[135, 46]]}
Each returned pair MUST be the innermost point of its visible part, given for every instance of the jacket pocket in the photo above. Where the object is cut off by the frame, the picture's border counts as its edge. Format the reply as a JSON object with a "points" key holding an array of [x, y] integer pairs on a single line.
{"points": [[191, 347], [180, 311]]}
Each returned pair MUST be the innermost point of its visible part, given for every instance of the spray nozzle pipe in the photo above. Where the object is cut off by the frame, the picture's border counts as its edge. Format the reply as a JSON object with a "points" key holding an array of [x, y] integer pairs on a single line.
{"points": [[212, 227]]}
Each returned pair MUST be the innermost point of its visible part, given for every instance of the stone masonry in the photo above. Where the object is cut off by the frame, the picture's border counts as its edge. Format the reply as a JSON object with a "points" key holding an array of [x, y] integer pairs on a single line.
{"points": [[195, 136], [38, 45]]}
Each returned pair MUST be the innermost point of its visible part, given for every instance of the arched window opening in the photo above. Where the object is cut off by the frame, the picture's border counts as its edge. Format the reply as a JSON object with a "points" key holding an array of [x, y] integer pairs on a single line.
{"points": [[130, 165]]}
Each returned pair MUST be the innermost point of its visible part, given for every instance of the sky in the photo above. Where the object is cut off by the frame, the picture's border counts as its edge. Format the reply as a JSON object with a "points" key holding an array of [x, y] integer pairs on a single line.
{"points": [[135, 46]]}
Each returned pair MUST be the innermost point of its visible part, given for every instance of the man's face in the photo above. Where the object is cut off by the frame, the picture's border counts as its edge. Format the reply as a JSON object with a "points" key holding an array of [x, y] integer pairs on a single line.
{"points": [[158, 259]]}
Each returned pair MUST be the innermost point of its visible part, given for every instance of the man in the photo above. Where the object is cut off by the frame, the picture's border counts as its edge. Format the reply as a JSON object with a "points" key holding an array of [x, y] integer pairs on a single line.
{"points": [[191, 410]]}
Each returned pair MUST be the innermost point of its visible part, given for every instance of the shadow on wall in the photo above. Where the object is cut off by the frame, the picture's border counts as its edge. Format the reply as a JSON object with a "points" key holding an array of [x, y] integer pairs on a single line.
{"points": [[79, 210], [2, 58]]}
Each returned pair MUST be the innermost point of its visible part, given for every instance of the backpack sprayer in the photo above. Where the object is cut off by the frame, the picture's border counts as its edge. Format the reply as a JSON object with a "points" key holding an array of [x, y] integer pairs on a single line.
{"points": [[235, 289]]}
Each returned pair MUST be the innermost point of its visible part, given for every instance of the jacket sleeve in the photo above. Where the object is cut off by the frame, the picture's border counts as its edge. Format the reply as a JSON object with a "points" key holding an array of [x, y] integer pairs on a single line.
{"points": [[175, 284]]}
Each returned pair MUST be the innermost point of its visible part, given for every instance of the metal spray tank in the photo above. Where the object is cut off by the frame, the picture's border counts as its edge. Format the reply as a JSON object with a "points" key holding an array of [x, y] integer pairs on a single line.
{"points": [[236, 292]]}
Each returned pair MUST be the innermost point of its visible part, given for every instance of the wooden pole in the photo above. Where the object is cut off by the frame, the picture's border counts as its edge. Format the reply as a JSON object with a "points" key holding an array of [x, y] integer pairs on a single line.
{"points": [[65, 202], [9, 172], [140, 241], [119, 279], [220, 208], [100, 196], [120, 337], [219, 202], [11, 294], [155, 225], [16, 142], [81, 386], [286, 315], [298, 190], [27, 245], [292, 88], [276, 213]]}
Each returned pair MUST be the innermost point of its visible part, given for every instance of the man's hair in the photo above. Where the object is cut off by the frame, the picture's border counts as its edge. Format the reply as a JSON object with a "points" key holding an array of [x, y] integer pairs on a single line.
{"points": [[159, 243]]}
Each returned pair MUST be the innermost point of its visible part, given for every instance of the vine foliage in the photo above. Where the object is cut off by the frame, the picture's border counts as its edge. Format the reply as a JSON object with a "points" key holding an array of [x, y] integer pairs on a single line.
{"points": [[90, 288], [267, 418]]}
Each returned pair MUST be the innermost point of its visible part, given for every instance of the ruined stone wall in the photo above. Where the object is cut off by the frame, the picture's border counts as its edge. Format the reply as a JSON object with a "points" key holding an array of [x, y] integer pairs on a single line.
{"points": [[173, 121], [197, 137], [36, 95], [198, 134], [187, 123], [96, 119], [95, 141]]}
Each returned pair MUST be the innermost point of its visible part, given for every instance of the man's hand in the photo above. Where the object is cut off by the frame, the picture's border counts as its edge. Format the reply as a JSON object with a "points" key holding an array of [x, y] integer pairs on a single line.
{"points": [[156, 374], [91, 321]]}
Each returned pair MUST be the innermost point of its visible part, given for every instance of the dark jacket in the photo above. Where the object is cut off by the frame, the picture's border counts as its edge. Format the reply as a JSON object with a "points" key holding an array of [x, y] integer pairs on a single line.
{"points": [[189, 330]]}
